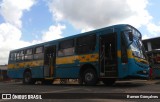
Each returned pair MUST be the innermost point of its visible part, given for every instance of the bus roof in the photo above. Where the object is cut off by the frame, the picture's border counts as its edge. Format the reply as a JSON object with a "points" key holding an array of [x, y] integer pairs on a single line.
{"points": [[76, 35]]}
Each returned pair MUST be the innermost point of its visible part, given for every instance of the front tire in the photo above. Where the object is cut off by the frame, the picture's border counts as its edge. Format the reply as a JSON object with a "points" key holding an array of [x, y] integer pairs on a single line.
{"points": [[27, 78], [90, 77]]}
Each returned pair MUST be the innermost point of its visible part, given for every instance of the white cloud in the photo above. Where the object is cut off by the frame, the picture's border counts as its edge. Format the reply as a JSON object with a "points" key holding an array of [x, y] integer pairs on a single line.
{"points": [[12, 10], [84, 14], [92, 14], [10, 32], [153, 30], [9, 39], [54, 32]]}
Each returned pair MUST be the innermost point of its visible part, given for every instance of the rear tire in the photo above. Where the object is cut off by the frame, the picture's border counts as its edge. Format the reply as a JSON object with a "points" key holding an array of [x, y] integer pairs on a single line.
{"points": [[90, 77], [27, 78]]}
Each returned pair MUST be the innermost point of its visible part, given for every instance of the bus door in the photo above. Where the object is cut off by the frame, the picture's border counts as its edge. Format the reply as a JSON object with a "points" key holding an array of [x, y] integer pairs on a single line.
{"points": [[49, 60], [108, 56]]}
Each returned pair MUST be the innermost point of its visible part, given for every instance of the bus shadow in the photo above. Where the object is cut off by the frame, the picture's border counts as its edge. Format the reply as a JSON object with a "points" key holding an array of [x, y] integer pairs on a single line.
{"points": [[116, 85], [128, 85]]}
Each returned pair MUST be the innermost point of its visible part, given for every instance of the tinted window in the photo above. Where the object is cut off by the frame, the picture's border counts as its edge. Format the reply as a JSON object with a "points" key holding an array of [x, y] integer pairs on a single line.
{"points": [[28, 55], [39, 50], [20, 55], [66, 44], [66, 48], [66, 52], [12, 56], [29, 51], [39, 53], [85, 44]]}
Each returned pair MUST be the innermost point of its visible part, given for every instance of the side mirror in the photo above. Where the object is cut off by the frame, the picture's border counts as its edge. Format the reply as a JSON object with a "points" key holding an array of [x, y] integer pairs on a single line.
{"points": [[130, 36]]}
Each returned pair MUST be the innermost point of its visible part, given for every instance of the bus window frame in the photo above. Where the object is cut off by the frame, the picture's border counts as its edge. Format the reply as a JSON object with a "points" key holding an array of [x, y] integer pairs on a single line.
{"points": [[13, 60], [39, 53], [28, 54], [62, 51], [91, 44], [21, 57]]}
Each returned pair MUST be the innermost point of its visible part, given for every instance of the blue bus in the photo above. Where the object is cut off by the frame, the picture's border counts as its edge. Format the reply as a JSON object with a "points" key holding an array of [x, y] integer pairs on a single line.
{"points": [[107, 54]]}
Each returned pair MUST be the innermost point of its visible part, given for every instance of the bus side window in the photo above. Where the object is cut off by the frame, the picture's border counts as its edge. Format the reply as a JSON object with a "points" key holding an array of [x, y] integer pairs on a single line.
{"points": [[85, 44], [29, 54], [123, 51], [12, 57], [20, 56], [38, 54], [66, 48]]}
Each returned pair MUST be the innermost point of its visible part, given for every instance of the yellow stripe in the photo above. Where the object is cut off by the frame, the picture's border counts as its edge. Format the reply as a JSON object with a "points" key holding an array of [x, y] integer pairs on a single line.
{"points": [[129, 53], [26, 64], [119, 53], [80, 58], [88, 58], [59, 60], [141, 60], [65, 60]]}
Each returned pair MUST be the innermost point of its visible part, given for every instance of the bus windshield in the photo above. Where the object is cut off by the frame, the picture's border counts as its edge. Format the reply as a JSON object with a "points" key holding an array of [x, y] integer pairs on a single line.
{"points": [[136, 45]]}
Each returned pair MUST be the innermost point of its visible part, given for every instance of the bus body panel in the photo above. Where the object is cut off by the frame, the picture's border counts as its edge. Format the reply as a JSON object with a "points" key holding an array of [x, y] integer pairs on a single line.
{"points": [[69, 67], [137, 70], [37, 72], [70, 72]]}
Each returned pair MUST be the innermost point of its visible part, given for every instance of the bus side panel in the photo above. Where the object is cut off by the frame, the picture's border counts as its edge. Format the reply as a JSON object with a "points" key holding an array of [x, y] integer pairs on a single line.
{"points": [[73, 72], [11, 73], [16, 73], [37, 72], [70, 72], [122, 69], [136, 69]]}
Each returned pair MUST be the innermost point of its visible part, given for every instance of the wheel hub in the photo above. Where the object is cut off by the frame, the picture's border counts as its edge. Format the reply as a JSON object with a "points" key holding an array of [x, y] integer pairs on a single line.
{"points": [[89, 76]]}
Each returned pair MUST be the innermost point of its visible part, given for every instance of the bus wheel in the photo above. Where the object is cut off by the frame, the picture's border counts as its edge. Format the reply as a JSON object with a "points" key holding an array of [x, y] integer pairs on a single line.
{"points": [[27, 78], [108, 82], [90, 77]]}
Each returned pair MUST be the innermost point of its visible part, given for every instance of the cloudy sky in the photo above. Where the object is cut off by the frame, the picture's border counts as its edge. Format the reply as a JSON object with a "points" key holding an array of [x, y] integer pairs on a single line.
{"points": [[27, 22]]}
